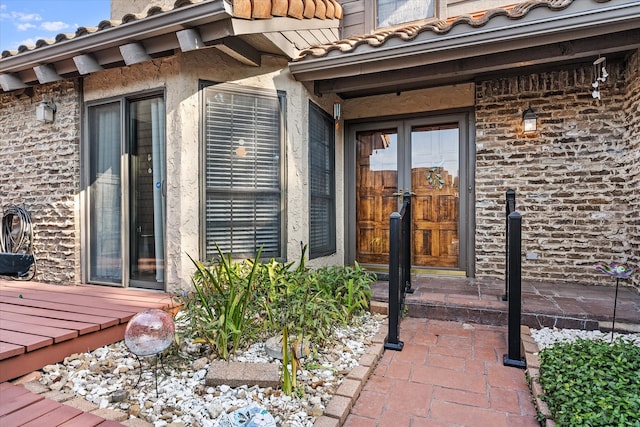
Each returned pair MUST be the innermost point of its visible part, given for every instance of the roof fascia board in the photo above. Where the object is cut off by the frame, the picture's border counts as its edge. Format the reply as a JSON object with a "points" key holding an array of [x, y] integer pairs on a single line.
{"points": [[185, 17], [534, 29]]}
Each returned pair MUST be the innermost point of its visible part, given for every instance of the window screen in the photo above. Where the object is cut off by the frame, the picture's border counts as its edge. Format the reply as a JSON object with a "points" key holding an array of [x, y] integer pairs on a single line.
{"points": [[242, 172], [322, 204]]}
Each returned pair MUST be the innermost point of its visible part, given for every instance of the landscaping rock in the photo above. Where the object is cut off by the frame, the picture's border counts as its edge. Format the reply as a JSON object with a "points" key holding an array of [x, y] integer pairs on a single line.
{"points": [[234, 374]]}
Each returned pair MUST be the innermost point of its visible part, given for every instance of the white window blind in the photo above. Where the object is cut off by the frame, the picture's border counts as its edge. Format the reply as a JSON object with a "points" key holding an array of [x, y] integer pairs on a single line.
{"points": [[242, 173]]}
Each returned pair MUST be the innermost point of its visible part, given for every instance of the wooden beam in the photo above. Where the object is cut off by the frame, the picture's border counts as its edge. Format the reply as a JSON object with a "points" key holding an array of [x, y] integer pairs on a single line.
{"points": [[11, 82], [46, 73], [239, 50], [134, 53], [87, 64], [189, 39]]}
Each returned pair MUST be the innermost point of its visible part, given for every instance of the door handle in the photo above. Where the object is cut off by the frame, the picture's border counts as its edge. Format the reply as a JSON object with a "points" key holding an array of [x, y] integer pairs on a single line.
{"points": [[401, 193]]}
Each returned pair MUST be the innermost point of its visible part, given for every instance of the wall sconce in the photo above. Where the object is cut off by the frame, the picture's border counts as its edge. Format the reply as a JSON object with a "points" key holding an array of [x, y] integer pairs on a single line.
{"points": [[337, 107], [45, 111], [529, 121], [600, 75]]}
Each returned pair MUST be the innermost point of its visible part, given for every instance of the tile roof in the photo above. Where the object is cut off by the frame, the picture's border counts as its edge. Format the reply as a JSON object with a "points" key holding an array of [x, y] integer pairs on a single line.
{"points": [[435, 26], [243, 9]]}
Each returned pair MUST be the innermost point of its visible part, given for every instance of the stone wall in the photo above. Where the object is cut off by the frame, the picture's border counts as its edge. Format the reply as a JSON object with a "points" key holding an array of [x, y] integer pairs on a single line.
{"points": [[572, 179], [40, 169], [632, 137]]}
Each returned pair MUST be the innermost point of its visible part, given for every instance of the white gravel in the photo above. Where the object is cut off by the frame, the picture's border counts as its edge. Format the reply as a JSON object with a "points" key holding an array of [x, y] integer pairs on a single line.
{"points": [[547, 337], [108, 375]]}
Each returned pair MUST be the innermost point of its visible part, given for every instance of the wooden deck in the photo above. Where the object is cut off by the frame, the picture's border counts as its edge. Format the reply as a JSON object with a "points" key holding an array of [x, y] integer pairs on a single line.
{"points": [[20, 407], [41, 324]]}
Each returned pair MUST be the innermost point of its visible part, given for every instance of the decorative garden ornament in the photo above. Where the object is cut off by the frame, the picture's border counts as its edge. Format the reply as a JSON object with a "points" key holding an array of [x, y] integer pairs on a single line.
{"points": [[619, 271]]}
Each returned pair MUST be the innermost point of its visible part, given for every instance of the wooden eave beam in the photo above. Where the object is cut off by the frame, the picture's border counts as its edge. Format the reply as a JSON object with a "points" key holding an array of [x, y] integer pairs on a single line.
{"points": [[239, 50]]}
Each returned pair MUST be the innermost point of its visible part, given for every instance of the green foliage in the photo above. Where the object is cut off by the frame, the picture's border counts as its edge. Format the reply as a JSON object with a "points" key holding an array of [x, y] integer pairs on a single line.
{"points": [[235, 303], [220, 311], [592, 383]]}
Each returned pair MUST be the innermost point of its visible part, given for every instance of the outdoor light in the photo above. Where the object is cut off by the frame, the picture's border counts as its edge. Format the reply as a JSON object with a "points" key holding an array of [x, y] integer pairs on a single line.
{"points": [[529, 121], [337, 110], [45, 111]]}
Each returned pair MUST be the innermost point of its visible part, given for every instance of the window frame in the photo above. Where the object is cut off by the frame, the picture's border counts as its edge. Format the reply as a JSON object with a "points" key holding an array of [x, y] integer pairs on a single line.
{"points": [[204, 87], [326, 119]]}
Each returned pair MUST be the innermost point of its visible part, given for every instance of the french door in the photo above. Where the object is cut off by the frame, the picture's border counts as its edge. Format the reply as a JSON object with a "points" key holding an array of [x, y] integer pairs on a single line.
{"points": [[126, 193], [429, 159]]}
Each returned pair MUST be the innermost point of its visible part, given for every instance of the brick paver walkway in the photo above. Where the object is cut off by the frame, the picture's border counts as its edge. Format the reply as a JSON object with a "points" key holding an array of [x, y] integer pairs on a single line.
{"points": [[447, 374]]}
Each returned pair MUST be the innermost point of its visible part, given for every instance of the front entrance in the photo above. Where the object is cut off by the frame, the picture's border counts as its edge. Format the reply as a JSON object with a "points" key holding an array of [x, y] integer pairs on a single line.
{"points": [[427, 158]]}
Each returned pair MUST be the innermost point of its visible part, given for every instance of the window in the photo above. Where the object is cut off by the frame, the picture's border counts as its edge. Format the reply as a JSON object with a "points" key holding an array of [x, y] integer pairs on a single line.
{"points": [[322, 203], [243, 143], [394, 12]]}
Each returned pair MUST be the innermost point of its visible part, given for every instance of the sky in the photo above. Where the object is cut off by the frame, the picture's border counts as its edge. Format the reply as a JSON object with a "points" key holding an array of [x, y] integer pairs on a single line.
{"points": [[26, 21]]}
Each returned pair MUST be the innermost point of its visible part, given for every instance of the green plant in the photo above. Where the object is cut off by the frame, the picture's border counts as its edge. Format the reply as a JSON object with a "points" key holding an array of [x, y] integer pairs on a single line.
{"points": [[234, 303], [223, 300], [592, 383]]}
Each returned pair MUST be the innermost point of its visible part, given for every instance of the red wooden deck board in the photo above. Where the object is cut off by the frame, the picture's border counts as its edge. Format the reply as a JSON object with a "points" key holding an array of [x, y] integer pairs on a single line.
{"points": [[29, 341], [61, 414], [81, 327], [57, 334], [98, 300], [9, 350], [130, 294], [20, 407], [104, 322], [33, 312], [85, 419], [16, 398], [75, 305], [31, 412]]}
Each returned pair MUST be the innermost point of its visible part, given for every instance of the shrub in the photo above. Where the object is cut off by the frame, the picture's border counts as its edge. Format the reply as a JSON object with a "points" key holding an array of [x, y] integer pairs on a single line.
{"points": [[592, 383], [235, 303]]}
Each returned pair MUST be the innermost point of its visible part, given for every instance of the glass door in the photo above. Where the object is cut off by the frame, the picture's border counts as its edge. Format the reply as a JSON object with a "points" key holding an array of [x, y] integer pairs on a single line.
{"points": [[126, 193], [423, 157], [376, 188], [147, 198], [435, 181]]}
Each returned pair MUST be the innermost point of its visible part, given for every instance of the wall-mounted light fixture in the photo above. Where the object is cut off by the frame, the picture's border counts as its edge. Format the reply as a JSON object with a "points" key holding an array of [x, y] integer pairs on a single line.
{"points": [[600, 75], [337, 110], [529, 121], [45, 111]]}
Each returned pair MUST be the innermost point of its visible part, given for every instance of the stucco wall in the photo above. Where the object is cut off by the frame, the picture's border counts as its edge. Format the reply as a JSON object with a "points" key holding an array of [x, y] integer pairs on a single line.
{"points": [[39, 168], [180, 76], [415, 101], [572, 179]]}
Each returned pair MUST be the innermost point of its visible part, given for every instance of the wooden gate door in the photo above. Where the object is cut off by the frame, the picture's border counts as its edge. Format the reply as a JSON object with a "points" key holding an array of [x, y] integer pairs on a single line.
{"points": [[422, 159]]}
